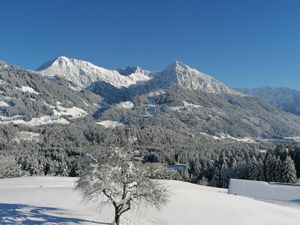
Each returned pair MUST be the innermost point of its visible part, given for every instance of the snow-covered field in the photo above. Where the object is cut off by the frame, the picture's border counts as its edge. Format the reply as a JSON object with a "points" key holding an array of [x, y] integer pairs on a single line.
{"points": [[53, 200], [110, 123], [43, 120], [28, 89]]}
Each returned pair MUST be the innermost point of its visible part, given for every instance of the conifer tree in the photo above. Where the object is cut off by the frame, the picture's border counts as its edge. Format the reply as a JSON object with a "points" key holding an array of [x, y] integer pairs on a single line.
{"points": [[288, 171]]}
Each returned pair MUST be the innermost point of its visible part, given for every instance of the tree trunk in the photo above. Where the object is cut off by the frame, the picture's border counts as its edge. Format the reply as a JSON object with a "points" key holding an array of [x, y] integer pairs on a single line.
{"points": [[117, 219]]}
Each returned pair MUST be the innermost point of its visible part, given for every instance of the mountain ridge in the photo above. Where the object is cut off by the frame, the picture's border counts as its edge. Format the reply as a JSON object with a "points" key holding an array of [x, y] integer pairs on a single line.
{"points": [[286, 99], [178, 97], [85, 74]]}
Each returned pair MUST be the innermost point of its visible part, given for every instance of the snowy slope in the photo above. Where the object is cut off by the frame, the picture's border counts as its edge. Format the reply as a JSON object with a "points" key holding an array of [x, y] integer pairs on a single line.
{"points": [[27, 98], [84, 73], [191, 78], [52, 200], [283, 98]]}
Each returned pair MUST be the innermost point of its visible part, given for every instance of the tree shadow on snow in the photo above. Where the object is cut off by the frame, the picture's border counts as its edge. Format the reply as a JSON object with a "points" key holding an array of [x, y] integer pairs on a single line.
{"points": [[31, 215]]}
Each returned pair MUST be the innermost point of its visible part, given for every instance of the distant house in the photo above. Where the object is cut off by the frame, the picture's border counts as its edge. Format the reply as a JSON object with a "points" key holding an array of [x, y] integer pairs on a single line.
{"points": [[265, 190], [177, 167]]}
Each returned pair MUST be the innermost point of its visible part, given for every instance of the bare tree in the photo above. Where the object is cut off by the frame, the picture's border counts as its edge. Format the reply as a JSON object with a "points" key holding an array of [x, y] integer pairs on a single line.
{"points": [[123, 181]]}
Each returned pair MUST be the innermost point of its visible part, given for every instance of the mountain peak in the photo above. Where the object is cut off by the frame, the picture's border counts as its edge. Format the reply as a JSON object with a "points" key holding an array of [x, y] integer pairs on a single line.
{"points": [[47, 64], [177, 65], [190, 78], [62, 57], [84, 74], [61, 61], [65, 61]]}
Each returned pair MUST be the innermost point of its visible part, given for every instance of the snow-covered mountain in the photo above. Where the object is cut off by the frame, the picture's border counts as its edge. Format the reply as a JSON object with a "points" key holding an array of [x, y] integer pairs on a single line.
{"points": [[177, 97], [283, 98], [29, 99], [83, 73], [190, 78]]}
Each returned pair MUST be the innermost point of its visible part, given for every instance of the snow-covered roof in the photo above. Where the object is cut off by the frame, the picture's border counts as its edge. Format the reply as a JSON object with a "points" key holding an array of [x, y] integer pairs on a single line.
{"points": [[264, 190]]}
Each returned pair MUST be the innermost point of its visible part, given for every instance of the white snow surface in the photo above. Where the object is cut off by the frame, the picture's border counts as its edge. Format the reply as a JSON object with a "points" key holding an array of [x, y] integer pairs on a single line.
{"points": [[73, 112], [125, 105], [43, 120], [221, 136], [4, 104], [53, 200], [83, 73], [186, 107], [2, 82], [156, 93], [191, 105], [110, 123], [26, 136], [28, 89]]}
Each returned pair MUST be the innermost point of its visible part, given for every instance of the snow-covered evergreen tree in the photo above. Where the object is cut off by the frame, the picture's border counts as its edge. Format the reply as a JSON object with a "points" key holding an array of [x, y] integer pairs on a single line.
{"points": [[272, 169], [288, 171], [224, 174], [255, 170], [9, 167], [221, 174]]}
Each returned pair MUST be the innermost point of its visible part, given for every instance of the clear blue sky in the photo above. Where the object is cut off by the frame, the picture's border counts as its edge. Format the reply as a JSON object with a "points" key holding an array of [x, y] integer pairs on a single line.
{"points": [[244, 43]]}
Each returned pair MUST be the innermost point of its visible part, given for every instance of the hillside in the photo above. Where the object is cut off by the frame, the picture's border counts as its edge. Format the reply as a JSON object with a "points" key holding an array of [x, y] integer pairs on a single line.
{"points": [[284, 98], [176, 107], [30, 200], [176, 97], [27, 98]]}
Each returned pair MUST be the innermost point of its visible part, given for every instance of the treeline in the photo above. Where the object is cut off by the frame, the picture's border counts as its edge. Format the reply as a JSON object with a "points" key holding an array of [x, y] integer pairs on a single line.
{"points": [[280, 164], [60, 150]]}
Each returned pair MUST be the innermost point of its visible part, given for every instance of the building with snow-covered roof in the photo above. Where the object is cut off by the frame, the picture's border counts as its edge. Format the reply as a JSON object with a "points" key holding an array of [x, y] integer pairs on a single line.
{"points": [[265, 190]]}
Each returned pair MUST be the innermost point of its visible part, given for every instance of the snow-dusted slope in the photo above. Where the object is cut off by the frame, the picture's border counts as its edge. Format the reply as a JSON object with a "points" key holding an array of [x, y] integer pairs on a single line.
{"points": [[191, 78], [283, 98], [30, 200], [84, 73], [27, 98]]}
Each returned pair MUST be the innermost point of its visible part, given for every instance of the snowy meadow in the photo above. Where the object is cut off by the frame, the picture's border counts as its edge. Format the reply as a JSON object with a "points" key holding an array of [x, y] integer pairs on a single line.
{"points": [[53, 200]]}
